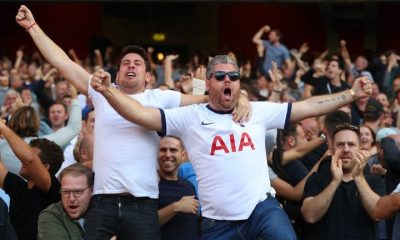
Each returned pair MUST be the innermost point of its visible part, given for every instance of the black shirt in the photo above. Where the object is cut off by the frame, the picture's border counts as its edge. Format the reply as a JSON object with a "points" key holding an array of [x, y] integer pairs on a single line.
{"points": [[346, 217], [322, 85], [181, 226], [26, 204]]}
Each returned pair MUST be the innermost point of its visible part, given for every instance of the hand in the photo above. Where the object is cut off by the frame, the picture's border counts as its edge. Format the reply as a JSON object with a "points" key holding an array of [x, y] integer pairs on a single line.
{"points": [[242, 112], [24, 17], [171, 57], [187, 204], [200, 73], [273, 73], [362, 87], [97, 52], [101, 81], [19, 54], [361, 159], [342, 43], [377, 169], [266, 28], [73, 92], [186, 83], [150, 50], [336, 167], [304, 48]]}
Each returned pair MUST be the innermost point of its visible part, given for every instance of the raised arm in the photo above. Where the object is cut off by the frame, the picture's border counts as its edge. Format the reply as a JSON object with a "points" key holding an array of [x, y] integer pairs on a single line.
{"points": [[128, 108], [75, 74], [368, 197], [257, 37], [301, 150], [314, 208], [30, 161], [168, 70], [320, 105]]}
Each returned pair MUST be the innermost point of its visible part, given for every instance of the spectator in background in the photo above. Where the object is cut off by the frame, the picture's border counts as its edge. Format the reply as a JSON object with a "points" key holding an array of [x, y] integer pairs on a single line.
{"points": [[65, 219], [338, 199], [275, 51], [40, 161], [177, 205]]}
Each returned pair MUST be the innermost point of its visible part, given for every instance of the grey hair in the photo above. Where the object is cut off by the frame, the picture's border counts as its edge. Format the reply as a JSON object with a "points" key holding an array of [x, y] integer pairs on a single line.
{"points": [[219, 59]]}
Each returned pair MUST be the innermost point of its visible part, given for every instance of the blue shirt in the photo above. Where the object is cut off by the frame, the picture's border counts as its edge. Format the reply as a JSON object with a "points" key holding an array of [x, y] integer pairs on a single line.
{"points": [[278, 54]]}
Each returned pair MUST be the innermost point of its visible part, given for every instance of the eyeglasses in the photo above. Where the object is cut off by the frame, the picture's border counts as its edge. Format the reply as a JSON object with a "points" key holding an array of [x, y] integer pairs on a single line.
{"points": [[76, 193], [220, 75]]}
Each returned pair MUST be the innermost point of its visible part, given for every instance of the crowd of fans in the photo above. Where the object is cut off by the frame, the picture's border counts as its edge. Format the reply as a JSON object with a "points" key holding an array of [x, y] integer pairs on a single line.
{"points": [[335, 174]]}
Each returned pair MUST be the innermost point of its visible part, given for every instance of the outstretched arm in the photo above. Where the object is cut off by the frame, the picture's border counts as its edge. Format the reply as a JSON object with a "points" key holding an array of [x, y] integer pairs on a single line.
{"points": [[75, 74], [128, 108], [319, 105], [34, 166]]}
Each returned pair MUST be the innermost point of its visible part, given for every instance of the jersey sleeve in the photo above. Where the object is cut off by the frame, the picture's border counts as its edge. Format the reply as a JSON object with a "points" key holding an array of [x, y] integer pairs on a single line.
{"points": [[168, 98], [275, 115], [176, 120]]}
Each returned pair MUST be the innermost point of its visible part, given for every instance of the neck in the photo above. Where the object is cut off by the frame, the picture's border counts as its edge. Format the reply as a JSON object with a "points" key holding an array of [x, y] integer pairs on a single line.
{"points": [[173, 176], [335, 81], [347, 177], [55, 128], [30, 184], [130, 91]]}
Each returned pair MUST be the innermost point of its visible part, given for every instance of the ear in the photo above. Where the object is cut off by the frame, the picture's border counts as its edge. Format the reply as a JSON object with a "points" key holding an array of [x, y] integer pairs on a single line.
{"points": [[47, 166], [291, 141], [208, 82], [147, 77], [184, 156]]}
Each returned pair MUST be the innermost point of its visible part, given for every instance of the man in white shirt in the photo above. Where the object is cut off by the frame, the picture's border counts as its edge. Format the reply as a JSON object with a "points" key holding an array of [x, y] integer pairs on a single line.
{"points": [[229, 159]]}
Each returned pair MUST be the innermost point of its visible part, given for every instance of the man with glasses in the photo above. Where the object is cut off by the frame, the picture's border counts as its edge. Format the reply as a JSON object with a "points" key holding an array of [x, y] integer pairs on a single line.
{"points": [[340, 198], [64, 220], [37, 187], [230, 159]]}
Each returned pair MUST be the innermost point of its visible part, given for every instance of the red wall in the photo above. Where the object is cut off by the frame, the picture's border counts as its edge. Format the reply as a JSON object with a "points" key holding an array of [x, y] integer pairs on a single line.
{"points": [[69, 24], [298, 22]]}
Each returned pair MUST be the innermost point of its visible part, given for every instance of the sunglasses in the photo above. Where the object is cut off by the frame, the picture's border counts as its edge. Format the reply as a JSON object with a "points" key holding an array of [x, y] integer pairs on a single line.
{"points": [[346, 126], [220, 75]]}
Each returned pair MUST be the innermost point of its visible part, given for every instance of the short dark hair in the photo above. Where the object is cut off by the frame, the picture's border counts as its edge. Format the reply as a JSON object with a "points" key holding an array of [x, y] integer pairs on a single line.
{"points": [[340, 63], [278, 33], [76, 170], [176, 138], [138, 50], [289, 131], [50, 153], [335, 118]]}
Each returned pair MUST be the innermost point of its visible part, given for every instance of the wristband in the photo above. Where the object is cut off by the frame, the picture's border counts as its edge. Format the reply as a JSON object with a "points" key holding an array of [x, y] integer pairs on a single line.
{"points": [[30, 26]]}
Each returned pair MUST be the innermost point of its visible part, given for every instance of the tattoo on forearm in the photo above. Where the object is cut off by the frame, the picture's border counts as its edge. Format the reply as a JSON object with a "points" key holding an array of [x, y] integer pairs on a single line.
{"points": [[331, 100]]}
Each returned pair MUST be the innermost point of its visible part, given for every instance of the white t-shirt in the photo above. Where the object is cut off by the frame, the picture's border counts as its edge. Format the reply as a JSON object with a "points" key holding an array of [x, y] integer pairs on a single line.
{"points": [[229, 159], [125, 154]]}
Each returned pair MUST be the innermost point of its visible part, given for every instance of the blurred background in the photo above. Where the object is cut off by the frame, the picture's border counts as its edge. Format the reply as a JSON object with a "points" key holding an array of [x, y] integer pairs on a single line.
{"points": [[207, 28]]}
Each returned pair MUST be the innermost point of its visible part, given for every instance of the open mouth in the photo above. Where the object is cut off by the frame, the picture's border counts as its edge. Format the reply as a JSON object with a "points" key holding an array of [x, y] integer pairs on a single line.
{"points": [[131, 74], [73, 207], [227, 92]]}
